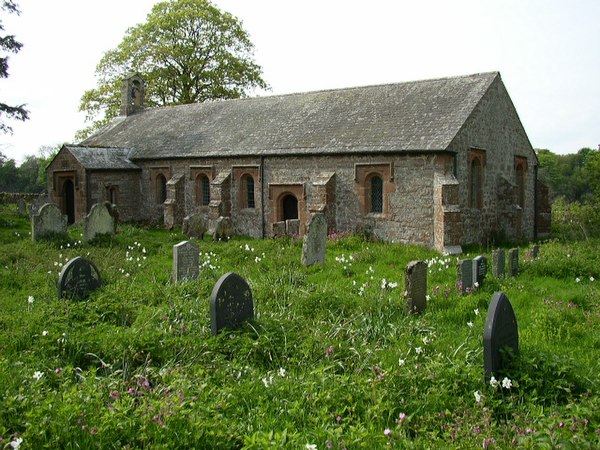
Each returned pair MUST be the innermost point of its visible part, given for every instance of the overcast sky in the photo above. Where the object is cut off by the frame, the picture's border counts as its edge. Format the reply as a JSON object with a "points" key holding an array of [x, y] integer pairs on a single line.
{"points": [[547, 51]]}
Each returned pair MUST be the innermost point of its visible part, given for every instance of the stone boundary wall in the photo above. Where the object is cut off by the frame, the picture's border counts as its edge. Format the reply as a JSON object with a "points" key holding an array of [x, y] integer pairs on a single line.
{"points": [[11, 198]]}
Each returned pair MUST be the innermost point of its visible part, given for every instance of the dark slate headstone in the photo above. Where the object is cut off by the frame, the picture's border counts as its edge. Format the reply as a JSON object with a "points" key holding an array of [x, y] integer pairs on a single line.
{"points": [[186, 259], [231, 303], [465, 274], [479, 269], [499, 336], [77, 279], [513, 262], [534, 252], [416, 286], [498, 262]]}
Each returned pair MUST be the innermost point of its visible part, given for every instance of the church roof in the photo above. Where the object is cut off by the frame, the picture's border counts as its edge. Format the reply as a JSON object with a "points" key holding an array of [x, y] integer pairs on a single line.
{"points": [[412, 116], [98, 158]]}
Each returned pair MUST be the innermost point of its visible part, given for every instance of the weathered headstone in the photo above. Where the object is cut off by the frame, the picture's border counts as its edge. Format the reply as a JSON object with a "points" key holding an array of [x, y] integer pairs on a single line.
{"points": [[279, 229], [465, 275], [534, 252], [114, 212], [292, 227], [498, 262], [513, 262], [21, 207], [223, 229], [78, 278], [186, 258], [231, 303], [416, 286], [98, 222], [500, 335], [37, 204], [315, 240], [479, 270], [195, 225], [48, 222]]}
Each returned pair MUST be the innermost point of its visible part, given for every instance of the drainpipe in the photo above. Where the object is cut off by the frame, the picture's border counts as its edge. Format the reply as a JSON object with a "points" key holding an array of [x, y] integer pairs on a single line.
{"points": [[261, 174], [535, 202], [88, 191]]}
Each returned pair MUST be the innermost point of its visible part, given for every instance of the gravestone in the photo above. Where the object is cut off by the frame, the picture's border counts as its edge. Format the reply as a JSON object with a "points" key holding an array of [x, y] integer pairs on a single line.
{"points": [[500, 335], [186, 261], [465, 274], [479, 270], [416, 286], [498, 262], [223, 229], [37, 204], [98, 222], [77, 279], [315, 240], [513, 262], [279, 229], [194, 225], [231, 303], [21, 207], [48, 222], [292, 227], [534, 252], [114, 212]]}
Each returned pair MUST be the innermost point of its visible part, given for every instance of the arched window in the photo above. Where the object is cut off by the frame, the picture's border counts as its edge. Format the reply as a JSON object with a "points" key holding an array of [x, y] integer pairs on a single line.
{"points": [[202, 190], [520, 175], [161, 189], [376, 197], [247, 187], [475, 184]]}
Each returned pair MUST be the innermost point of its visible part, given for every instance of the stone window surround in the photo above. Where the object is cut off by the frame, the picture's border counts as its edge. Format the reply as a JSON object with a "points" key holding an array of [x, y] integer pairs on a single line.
{"points": [[59, 177], [521, 166], [196, 172], [479, 156], [154, 174], [278, 191], [111, 193], [363, 174], [239, 174]]}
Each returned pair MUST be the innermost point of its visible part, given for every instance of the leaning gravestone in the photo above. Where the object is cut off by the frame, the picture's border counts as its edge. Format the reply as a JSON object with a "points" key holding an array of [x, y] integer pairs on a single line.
{"points": [[77, 279], [465, 274], [479, 269], [315, 240], [416, 286], [498, 262], [48, 222], [513, 262], [500, 336], [231, 303], [98, 222], [186, 258], [223, 229], [194, 226]]}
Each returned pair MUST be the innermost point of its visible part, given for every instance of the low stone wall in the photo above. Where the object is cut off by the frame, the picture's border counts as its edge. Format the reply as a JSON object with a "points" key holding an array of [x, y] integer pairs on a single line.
{"points": [[11, 198]]}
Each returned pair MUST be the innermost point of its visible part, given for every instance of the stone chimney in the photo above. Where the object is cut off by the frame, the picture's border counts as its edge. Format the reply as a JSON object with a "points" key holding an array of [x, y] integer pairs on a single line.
{"points": [[133, 91]]}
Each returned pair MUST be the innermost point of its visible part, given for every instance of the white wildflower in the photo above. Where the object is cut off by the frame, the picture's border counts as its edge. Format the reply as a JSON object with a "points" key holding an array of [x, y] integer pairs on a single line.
{"points": [[493, 382], [506, 383], [37, 375], [477, 396]]}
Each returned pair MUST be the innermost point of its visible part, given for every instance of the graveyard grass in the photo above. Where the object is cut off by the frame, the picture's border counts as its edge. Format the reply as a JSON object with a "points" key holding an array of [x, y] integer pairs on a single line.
{"points": [[332, 359]]}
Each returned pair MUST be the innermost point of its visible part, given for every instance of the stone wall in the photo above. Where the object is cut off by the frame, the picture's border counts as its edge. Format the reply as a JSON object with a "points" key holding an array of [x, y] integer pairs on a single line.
{"points": [[64, 168], [126, 186], [495, 129]]}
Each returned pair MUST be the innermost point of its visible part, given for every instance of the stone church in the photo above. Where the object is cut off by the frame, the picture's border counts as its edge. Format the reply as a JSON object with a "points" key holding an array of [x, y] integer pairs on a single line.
{"points": [[439, 163]]}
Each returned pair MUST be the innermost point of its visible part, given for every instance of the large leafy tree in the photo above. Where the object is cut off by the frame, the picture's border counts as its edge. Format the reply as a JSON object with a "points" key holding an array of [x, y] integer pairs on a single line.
{"points": [[9, 44], [187, 51]]}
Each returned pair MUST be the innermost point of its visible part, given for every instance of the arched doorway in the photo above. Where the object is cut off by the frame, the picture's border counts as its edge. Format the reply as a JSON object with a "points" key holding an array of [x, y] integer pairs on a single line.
{"points": [[69, 201], [289, 205]]}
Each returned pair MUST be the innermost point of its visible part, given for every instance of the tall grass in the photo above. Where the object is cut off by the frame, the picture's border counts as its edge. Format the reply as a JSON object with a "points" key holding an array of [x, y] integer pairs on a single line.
{"points": [[331, 360]]}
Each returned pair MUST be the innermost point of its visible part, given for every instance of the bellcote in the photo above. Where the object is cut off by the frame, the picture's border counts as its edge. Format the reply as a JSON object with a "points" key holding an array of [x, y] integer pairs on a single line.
{"points": [[133, 91]]}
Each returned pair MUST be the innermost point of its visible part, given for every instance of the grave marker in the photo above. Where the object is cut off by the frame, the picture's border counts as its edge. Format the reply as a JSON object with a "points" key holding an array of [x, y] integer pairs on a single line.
{"points": [[513, 262], [498, 262], [465, 274], [292, 227], [186, 261], [194, 226], [534, 252], [223, 229], [499, 336], [48, 222], [416, 286], [77, 279], [98, 222], [315, 240], [231, 303], [479, 270], [21, 207]]}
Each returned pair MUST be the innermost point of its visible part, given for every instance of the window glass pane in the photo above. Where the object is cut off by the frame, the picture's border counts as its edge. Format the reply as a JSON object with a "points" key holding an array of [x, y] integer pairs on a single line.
{"points": [[205, 191], [376, 195], [250, 192]]}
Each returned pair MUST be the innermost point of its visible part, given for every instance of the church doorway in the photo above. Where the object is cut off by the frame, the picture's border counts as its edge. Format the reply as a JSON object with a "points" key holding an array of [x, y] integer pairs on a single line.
{"points": [[290, 207], [69, 201]]}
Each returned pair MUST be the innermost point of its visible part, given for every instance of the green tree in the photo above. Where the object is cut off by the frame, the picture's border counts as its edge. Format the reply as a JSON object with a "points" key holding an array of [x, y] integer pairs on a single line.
{"points": [[8, 44], [187, 51]]}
